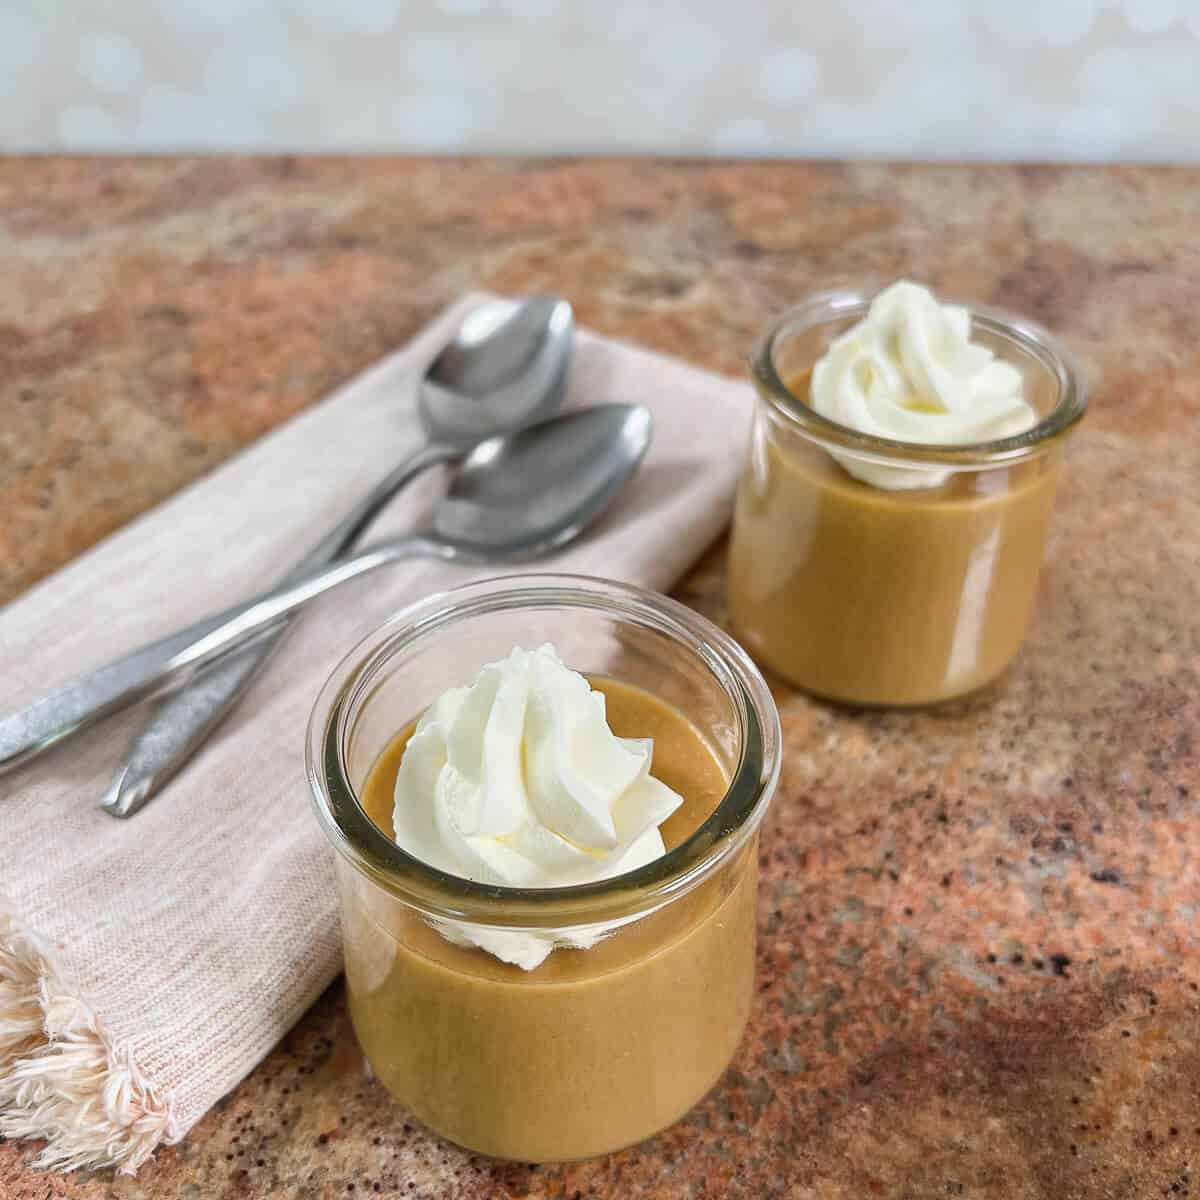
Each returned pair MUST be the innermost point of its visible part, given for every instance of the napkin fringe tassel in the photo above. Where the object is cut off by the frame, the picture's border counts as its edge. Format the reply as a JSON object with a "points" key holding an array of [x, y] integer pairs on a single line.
{"points": [[62, 1077]]}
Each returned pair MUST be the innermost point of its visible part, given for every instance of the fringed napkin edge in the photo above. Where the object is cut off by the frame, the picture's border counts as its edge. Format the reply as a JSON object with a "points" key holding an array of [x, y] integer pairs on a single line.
{"points": [[62, 1077]]}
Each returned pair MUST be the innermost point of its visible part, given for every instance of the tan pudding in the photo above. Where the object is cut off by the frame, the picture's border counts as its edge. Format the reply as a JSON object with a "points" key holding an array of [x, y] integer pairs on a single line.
{"points": [[891, 520], [870, 596], [593, 1049]]}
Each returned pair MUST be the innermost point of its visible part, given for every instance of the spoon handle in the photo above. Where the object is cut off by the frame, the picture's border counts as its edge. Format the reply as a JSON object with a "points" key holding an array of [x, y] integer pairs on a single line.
{"points": [[182, 723], [347, 531], [147, 670]]}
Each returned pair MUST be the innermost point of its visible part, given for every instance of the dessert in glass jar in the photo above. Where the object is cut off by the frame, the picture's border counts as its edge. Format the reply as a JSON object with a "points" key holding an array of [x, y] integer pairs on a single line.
{"points": [[546, 793], [891, 519]]}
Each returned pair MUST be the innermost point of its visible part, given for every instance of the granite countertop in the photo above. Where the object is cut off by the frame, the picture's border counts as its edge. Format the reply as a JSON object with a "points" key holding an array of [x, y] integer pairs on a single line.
{"points": [[977, 972]]}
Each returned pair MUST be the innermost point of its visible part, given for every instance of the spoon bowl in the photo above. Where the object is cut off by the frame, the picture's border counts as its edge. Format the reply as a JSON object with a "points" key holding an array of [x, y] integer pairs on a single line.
{"points": [[504, 368], [523, 494]]}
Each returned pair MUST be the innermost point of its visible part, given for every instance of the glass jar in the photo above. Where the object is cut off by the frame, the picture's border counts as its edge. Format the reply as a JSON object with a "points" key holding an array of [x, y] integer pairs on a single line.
{"points": [[873, 596], [593, 1049]]}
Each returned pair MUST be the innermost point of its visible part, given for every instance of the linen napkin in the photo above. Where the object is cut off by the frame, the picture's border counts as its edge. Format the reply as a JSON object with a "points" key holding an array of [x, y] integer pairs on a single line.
{"points": [[147, 965]]}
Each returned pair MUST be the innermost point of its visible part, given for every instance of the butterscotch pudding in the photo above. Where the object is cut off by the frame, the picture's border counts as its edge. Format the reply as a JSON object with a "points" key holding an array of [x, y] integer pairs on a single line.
{"points": [[547, 877], [891, 520]]}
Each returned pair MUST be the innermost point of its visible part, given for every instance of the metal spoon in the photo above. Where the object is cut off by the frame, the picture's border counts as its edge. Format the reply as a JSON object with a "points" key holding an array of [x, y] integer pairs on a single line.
{"points": [[515, 497], [505, 367]]}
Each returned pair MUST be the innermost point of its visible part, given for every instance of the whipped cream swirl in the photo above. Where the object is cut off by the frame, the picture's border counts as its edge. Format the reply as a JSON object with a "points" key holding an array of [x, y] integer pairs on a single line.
{"points": [[517, 780], [909, 371]]}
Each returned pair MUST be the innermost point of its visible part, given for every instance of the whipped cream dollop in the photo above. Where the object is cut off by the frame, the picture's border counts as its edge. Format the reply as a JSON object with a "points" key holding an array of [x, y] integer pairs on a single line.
{"points": [[909, 371], [517, 780]]}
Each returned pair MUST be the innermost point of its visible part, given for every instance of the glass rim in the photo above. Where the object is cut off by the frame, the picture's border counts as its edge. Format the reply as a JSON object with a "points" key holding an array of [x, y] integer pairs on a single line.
{"points": [[445, 896], [838, 303]]}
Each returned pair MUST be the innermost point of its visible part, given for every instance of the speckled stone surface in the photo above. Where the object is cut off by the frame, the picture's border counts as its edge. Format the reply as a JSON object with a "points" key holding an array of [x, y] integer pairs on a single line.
{"points": [[978, 969]]}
